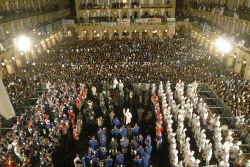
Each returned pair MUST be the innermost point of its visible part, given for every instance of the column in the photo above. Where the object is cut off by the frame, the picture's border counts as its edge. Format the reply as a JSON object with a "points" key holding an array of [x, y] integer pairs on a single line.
{"points": [[44, 46], [140, 34], [207, 41], [238, 65], [28, 57], [53, 41], [1, 72], [10, 66], [48, 42], [150, 34], [110, 34], [233, 25], [39, 49], [211, 49], [19, 60], [120, 33], [130, 34], [229, 60], [90, 34], [243, 27], [140, 13], [247, 73], [33, 54], [120, 13], [160, 33]]}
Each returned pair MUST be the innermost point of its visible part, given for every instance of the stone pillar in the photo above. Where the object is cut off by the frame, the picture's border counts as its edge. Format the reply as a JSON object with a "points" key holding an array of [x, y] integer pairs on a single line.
{"points": [[160, 33], [238, 65], [130, 34], [28, 57], [110, 34], [19, 61], [202, 41], [207, 42], [39, 49], [150, 34], [229, 60], [10, 67], [33, 54], [100, 35], [247, 73], [81, 35], [211, 49], [48, 42], [90, 35], [53, 41], [120, 34], [140, 34], [44, 46], [1, 72]]}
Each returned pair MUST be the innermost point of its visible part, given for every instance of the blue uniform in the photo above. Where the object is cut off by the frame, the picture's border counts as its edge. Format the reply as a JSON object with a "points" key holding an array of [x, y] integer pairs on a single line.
{"points": [[95, 161], [93, 143], [120, 159], [148, 150], [103, 141], [140, 151], [100, 133], [115, 132], [136, 130], [108, 162], [137, 162], [140, 139], [116, 122], [102, 152], [124, 132], [84, 161], [89, 154], [145, 161]]}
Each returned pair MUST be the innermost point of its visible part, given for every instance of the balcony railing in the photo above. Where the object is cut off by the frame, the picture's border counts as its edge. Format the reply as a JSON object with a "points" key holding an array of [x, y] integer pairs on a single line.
{"points": [[156, 5], [243, 13], [14, 15], [122, 5]]}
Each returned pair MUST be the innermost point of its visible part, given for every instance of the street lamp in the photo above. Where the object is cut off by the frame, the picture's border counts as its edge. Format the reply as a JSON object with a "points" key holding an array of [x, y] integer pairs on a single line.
{"points": [[23, 43], [223, 46]]}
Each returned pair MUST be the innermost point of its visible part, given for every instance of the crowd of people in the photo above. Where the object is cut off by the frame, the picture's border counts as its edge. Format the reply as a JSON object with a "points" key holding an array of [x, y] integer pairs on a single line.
{"points": [[241, 12], [61, 70]]}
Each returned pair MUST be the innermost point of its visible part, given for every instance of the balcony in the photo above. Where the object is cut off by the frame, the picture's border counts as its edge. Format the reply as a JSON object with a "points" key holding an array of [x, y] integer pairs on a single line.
{"points": [[93, 5], [241, 13], [7, 16], [168, 5]]}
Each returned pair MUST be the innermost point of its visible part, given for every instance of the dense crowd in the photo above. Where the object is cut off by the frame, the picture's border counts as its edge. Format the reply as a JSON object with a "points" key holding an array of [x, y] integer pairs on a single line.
{"points": [[241, 12], [60, 71]]}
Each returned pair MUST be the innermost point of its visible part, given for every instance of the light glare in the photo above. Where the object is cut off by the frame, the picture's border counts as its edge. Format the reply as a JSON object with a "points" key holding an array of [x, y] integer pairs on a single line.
{"points": [[223, 45], [23, 43]]}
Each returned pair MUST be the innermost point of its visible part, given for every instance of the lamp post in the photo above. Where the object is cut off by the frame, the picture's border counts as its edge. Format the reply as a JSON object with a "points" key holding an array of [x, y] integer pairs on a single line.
{"points": [[223, 46]]}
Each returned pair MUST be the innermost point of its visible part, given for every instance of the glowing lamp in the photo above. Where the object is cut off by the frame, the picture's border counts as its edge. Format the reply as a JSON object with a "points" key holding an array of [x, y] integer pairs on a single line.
{"points": [[223, 45], [23, 43]]}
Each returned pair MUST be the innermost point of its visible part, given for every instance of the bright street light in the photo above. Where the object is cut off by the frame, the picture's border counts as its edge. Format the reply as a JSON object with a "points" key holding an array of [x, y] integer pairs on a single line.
{"points": [[23, 43], [223, 45]]}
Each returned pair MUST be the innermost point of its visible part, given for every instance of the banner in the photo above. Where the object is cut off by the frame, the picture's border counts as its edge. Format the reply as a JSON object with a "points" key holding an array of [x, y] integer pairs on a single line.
{"points": [[49, 28], [123, 22], [148, 20], [6, 108], [56, 24], [68, 22], [170, 19], [111, 24], [154, 20]]}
